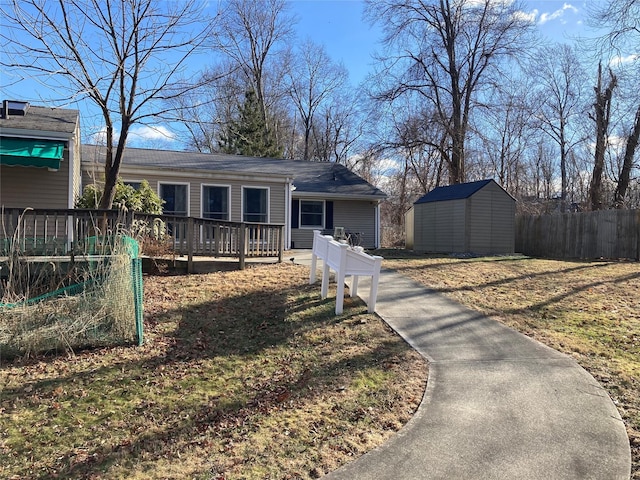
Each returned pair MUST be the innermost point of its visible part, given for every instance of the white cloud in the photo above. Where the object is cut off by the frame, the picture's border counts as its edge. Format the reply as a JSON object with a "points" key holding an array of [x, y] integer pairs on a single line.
{"points": [[618, 61], [529, 17], [547, 17], [100, 137], [146, 132], [138, 135]]}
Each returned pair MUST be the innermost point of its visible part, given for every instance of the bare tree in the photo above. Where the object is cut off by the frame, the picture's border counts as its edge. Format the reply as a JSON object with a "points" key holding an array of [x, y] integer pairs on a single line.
{"points": [[206, 111], [602, 118], [338, 128], [125, 56], [505, 133], [560, 100], [443, 52], [623, 41], [313, 78], [253, 35]]}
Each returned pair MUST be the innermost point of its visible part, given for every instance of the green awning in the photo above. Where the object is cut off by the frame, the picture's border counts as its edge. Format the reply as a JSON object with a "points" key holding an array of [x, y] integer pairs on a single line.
{"points": [[28, 152]]}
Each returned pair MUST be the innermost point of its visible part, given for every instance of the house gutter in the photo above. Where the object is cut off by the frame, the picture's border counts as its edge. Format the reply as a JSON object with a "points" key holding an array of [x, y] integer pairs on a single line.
{"points": [[184, 173], [34, 134], [339, 196]]}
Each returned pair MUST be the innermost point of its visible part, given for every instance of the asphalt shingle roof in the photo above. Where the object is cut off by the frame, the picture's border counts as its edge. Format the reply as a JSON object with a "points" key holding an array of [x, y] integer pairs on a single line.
{"points": [[309, 177], [453, 192], [44, 119]]}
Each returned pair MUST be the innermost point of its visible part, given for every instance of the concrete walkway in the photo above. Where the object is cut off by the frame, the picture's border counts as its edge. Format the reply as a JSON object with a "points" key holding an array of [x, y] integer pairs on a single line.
{"points": [[498, 405]]}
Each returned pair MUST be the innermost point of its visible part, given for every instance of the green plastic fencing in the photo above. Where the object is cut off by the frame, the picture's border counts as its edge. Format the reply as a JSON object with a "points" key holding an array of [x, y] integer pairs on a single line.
{"points": [[74, 289], [105, 250], [138, 294]]}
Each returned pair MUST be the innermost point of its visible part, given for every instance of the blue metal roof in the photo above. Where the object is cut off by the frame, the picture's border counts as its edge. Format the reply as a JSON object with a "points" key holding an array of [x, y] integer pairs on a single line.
{"points": [[453, 192]]}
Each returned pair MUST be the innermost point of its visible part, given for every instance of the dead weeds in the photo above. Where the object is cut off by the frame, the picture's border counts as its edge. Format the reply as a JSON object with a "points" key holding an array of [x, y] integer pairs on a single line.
{"points": [[589, 310], [242, 375]]}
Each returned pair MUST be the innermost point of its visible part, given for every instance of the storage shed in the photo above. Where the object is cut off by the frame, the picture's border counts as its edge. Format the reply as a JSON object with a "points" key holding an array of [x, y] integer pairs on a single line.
{"points": [[476, 217]]}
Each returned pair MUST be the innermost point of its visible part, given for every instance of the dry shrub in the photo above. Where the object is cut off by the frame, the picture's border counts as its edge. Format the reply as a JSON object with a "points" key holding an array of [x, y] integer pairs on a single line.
{"points": [[102, 313]]}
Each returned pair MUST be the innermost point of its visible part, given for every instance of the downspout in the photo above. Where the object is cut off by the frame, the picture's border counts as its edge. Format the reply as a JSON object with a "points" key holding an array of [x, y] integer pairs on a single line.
{"points": [[72, 167], [71, 190], [287, 213], [377, 245]]}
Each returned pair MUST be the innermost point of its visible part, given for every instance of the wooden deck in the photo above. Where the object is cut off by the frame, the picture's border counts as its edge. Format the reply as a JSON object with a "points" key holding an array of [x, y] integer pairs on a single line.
{"points": [[48, 232]]}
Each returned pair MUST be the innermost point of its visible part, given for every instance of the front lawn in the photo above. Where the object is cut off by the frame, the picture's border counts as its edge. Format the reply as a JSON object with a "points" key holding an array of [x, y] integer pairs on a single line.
{"points": [[589, 310], [242, 375]]}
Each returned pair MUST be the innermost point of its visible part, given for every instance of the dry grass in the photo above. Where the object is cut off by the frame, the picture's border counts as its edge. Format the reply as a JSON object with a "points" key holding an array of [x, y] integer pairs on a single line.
{"points": [[101, 312], [589, 310], [242, 375]]}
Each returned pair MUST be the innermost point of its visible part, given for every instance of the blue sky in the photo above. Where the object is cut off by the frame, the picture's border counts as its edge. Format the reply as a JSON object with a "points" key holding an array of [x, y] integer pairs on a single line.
{"points": [[339, 26]]}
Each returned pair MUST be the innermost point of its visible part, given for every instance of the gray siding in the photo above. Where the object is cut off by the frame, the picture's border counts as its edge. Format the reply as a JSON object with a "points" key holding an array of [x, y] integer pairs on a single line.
{"points": [[502, 222], [424, 232], [35, 187], [195, 182], [440, 226], [492, 222], [483, 223], [480, 213], [354, 215]]}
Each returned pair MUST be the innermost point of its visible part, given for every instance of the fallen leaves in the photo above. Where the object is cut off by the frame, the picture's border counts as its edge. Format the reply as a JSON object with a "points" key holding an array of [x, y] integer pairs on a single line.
{"points": [[238, 378]]}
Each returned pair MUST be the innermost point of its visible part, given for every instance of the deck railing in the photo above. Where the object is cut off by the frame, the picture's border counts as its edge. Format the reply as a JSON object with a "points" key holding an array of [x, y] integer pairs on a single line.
{"points": [[76, 231]]}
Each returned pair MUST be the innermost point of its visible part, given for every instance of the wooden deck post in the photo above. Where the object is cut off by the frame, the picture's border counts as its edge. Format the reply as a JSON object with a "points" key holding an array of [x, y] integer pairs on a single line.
{"points": [[190, 242], [241, 244]]}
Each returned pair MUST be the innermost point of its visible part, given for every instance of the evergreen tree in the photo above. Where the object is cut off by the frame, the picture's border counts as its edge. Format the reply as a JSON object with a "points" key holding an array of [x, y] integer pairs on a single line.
{"points": [[249, 135]]}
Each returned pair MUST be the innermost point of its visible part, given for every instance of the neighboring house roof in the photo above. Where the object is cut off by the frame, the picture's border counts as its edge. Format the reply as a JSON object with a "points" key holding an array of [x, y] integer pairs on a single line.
{"points": [[455, 192], [41, 122], [319, 178]]}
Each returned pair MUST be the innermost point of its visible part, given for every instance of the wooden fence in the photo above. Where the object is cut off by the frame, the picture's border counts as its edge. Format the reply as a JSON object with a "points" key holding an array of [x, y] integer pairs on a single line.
{"points": [[599, 234], [72, 232]]}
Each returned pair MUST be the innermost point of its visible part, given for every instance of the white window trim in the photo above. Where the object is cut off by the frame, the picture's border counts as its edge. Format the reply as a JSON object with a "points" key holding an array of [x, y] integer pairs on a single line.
{"points": [[268, 189], [178, 183], [324, 214], [228, 187]]}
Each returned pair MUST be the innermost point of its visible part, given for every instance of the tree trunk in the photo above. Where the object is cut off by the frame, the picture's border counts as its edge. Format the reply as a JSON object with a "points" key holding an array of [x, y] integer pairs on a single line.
{"points": [[602, 116], [630, 150]]}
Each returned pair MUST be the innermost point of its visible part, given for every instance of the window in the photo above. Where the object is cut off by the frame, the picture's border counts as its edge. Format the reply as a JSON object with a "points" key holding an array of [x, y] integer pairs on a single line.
{"points": [[135, 184], [255, 205], [175, 197], [215, 202], [311, 214]]}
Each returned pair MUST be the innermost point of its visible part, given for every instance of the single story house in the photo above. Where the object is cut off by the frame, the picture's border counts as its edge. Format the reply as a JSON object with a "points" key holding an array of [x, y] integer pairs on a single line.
{"points": [[303, 196], [476, 217], [43, 165]]}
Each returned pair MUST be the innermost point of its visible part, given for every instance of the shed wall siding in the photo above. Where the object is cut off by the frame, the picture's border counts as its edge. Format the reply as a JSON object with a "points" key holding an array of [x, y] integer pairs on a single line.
{"points": [[424, 232], [440, 226], [480, 228], [492, 221], [483, 223], [503, 223]]}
